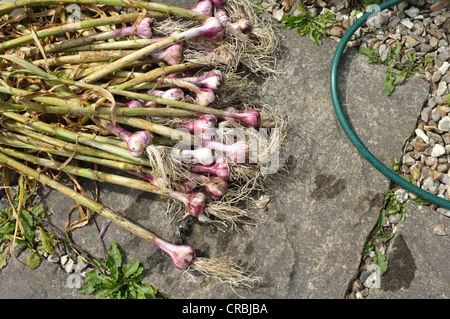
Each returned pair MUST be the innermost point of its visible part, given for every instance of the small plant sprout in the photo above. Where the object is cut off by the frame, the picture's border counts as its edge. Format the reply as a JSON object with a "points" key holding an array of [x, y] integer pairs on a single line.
{"points": [[203, 7], [117, 281], [136, 142], [219, 168]]}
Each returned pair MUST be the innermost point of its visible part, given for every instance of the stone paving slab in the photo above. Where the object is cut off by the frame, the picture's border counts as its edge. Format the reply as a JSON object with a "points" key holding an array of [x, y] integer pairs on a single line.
{"points": [[418, 258], [322, 206]]}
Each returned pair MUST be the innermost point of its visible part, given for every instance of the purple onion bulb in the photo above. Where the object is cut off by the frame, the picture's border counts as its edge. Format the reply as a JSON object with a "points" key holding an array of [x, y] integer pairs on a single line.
{"points": [[182, 255], [134, 104], [143, 29], [219, 168], [149, 178], [211, 80], [172, 55], [229, 109], [204, 126], [237, 152], [214, 185], [205, 97], [242, 25], [250, 117], [201, 155], [188, 185], [136, 142], [218, 3], [203, 7], [173, 94], [195, 202], [222, 15], [211, 28]]}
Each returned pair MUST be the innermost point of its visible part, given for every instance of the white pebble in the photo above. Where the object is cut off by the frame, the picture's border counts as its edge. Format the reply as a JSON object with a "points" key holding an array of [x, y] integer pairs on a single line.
{"points": [[438, 150], [422, 135], [63, 259], [407, 23], [444, 67], [68, 267], [442, 88], [412, 12]]}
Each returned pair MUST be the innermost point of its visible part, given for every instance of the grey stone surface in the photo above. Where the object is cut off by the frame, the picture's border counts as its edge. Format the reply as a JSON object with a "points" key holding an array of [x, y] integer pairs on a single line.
{"points": [[418, 258], [322, 206]]}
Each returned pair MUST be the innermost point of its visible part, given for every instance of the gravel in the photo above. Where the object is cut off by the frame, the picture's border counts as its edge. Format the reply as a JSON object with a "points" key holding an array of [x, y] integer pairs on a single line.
{"points": [[421, 26]]}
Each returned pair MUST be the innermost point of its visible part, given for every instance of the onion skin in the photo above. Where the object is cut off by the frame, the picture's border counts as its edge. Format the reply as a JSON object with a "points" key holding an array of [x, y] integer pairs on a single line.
{"points": [[214, 185]]}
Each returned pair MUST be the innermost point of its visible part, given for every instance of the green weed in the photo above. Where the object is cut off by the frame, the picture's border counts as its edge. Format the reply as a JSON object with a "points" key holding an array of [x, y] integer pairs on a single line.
{"points": [[117, 281], [397, 72], [23, 231], [315, 27]]}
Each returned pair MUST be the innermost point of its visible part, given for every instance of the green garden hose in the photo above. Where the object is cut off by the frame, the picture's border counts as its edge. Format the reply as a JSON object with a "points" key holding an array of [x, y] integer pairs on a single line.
{"points": [[347, 128]]}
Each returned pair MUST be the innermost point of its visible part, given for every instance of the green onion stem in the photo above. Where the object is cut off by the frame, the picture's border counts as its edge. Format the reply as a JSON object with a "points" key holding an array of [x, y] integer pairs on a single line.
{"points": [[86, 172], [62, 28]]}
